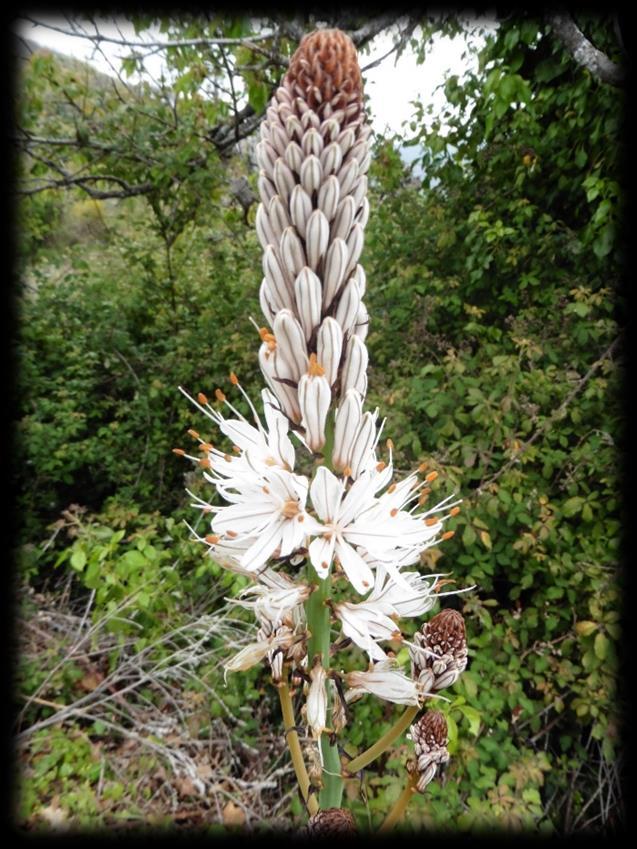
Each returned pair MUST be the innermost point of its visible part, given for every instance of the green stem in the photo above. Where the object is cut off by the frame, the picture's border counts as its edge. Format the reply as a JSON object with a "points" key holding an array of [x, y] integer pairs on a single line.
{"points": [[294, 746], [318, 622], [397, 812], [383, 742]]}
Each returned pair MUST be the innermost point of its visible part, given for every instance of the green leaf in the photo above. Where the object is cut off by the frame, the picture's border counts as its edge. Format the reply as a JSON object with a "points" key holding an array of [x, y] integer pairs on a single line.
{"points": [[601, 645], [78, 559], [468, 536]]}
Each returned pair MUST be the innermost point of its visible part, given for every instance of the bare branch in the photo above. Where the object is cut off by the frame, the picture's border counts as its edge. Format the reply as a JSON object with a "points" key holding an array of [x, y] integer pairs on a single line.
{"points": [[584, 52]]}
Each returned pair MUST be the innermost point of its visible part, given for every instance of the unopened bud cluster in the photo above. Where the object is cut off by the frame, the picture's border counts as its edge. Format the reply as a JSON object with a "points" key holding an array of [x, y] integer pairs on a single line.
{"points": [[314, 155], [430, 746]]}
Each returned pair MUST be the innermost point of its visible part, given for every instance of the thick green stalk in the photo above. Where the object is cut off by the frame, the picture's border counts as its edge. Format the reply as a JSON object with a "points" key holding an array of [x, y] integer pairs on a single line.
{"points": [[318, 622]]}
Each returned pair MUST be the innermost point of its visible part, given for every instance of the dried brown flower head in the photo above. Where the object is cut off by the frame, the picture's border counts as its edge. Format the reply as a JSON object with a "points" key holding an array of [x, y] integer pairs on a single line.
{"points": [[331, 821]]}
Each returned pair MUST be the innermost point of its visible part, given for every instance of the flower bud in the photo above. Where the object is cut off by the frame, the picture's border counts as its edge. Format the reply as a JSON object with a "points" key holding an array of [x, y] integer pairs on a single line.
{"points": [[331, 821], [441, 654], [430, 744]]}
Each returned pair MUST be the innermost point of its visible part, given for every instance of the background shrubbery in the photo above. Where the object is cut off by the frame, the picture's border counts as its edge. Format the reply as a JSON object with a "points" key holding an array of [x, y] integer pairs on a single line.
{"points": [[495, 354]]}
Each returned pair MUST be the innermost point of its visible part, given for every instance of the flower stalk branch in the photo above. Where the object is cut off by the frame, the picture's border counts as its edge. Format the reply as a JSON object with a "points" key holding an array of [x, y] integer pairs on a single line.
{"points": [[398, 811], [383, 743], [294, 746]]}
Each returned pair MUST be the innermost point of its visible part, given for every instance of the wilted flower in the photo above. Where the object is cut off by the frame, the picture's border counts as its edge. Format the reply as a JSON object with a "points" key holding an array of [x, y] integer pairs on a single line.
{"points": [[385, 681]]}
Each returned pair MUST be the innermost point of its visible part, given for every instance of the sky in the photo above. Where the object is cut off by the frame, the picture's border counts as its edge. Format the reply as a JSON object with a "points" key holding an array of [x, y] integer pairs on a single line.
{"points": [[391, 86]]}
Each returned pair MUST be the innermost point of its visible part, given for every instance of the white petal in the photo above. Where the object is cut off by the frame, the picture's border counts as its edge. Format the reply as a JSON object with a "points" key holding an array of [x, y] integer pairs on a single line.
{"points": [[354, 373], [312, 142], [326, 491], [348, 305], [321, 552], [265, 545], [346, 424], [314, 401], [311, 174], [308, 295], [300, 208], [283, 179], [292, 252], [335, 265], [356, 569], [344, 218]]}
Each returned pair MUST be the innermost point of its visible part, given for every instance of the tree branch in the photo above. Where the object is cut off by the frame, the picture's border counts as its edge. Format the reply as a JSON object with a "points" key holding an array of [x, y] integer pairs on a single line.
{"points": [[584, 52]]}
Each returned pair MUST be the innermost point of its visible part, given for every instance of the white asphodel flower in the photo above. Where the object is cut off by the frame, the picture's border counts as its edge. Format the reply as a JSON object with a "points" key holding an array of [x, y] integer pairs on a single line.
{"points": [[357, 523], [259, 445], [386, 681], [269, 510]]}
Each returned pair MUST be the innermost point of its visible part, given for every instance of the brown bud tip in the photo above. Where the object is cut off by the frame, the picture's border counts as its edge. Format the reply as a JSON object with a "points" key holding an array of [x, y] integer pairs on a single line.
{"points": [[430, 732], [331, 821], [447, 631], [325, 69]]}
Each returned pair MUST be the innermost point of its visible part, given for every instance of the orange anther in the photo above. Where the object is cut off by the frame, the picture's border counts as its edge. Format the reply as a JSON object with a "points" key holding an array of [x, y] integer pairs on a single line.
{"points": [[202, 398], [448, 535], [431, 520], [204, 463], [212, 539], [454, 511], [179, 451], [193, 433], [233, 378], [219, 395], [431, 477], [315, 369]]}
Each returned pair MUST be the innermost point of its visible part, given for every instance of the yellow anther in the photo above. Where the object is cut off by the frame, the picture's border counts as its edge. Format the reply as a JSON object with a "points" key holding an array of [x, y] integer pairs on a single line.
{"points": [[314, 368], [347, 472], [391, 488], [290, 509], [390, 444]]}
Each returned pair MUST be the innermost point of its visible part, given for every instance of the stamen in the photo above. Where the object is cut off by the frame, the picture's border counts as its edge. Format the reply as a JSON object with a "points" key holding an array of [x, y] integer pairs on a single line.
{"points": [[390, 444], [347, 472], [204, 463], [454, 511], [315, 369], [212, 539], [423, 467], [232, 534], [290, 509], [431, 477], [393, 511], [391, 488], [380, 466], [193, 433], [219, 395], [179, 451], [448, 535], [431, 520], [202, 398], [234, 380], [205, 446]]}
